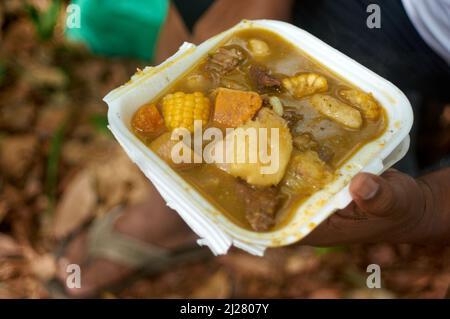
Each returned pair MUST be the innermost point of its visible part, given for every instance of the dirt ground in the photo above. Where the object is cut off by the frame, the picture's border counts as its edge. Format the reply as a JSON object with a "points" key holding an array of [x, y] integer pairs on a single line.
{"points": [[60, 168]]}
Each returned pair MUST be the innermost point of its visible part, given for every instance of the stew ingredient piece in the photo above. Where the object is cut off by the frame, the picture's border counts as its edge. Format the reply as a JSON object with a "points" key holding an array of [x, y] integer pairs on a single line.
{"points": [[163, 146], [305, 84], [258, 48], [263, 80], [260, 205], [233, 108], [223, 61], [276, 104], [306, 173], [292, 117], [363, 101], [147, 120], [337, 111], [305, 141], [254, 173], [181, 110]]}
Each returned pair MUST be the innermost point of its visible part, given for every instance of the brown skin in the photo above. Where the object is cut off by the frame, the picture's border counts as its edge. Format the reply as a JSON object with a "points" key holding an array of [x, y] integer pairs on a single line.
{"points": [[391, 208]]}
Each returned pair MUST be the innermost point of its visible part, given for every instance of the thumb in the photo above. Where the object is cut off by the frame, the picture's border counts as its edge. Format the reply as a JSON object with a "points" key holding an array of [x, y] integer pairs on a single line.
{"points": [[383, 196]]}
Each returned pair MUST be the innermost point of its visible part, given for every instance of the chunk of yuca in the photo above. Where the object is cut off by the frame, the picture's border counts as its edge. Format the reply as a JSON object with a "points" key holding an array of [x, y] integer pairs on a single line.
{"points": [[234, 107], [306, 173], [163, 146], [305, 84], [258, 172], [337, 111], [147, 120], [258, 48], [363, 101], [180, 110]]}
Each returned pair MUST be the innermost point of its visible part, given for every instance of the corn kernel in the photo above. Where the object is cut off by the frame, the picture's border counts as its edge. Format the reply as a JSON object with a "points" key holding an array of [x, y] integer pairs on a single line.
{"points": [[180, 110]]}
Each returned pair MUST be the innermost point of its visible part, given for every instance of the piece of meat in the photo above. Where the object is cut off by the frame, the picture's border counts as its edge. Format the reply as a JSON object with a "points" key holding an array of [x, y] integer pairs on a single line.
{"points": [[245, 160], [363, 101], [292, 117], [326, 154], [337, 111], [233, 107], [305, 84], [260, 205], [304, 142], [263, 80], [223, 61]]}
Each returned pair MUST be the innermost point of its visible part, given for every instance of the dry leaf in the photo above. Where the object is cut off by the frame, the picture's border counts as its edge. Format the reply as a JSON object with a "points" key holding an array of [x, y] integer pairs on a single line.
{"points": [[120, 181], [42, 266], [248, 265], [39, 75], [9, 247], [17, 153], [77, 204], [365, 293], [218, 286]]}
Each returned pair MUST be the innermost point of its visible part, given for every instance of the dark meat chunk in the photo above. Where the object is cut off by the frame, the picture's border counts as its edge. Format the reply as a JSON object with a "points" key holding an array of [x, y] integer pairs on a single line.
{"points": [[260, 205], [223, 61], [263, 80], [304, 142], [292, 117], [326, 154]]}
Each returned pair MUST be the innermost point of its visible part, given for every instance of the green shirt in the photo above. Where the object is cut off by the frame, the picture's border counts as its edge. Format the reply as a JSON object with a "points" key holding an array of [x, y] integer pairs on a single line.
{"points": [[125, 28]]}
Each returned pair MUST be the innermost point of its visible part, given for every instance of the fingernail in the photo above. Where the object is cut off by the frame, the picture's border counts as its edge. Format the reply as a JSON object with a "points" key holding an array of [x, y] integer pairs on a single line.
{"points": [[368, 189]]}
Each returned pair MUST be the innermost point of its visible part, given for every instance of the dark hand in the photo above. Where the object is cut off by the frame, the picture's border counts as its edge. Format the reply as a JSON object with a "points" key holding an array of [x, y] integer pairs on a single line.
{"points": [[392, 208]]}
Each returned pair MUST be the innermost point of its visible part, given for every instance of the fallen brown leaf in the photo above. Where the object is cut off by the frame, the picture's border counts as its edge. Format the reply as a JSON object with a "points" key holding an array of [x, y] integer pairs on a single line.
{"points": [[77, 204], [218, 286], [248, 265], [42, 266], [17, 153], [9, 247]]}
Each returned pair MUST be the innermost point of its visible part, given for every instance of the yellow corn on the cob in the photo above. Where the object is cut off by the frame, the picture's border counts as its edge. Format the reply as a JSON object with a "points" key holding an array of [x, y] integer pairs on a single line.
{"points": [[305, 84], [182, 109]]}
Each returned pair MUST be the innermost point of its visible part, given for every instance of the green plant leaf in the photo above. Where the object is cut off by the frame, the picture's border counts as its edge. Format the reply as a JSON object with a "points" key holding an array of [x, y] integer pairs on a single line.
{"points": [[45, 21], [328, 250], [2, 72], [53, 165], [100, 123]]}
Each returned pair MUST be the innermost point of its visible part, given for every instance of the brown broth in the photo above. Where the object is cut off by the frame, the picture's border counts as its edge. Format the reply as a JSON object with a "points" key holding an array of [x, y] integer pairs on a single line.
{"points": [[287, 60]]}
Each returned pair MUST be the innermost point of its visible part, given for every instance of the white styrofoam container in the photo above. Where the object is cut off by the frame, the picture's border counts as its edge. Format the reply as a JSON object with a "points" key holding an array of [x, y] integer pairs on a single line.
{"points": [[214, 229]]}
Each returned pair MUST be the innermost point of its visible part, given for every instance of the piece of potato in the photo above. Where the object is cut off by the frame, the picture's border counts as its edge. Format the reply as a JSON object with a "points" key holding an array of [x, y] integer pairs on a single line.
{"points": [[258, 48], [306, 173], [234, 108], [337, 111], [305, 84], [198, 82], [363, 101], [147, 120], [253, 172]]}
